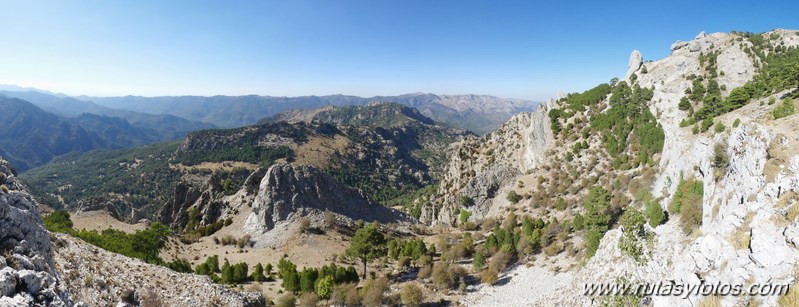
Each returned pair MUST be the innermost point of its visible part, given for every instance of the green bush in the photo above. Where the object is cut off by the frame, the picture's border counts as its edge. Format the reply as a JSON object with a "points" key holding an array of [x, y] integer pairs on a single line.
{"points": [[787, 108], [464, 216], [633, 223], [478, 262], [720, 127], [513, 197], [685, 104], [58, 221], [687, 202], [654, 213], [592, 237], [736, 123], [324, 287]]}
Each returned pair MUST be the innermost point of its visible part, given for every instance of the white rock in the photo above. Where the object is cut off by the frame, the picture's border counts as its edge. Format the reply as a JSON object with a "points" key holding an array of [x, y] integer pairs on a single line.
{"points": [[636, 60], [8, 281]]}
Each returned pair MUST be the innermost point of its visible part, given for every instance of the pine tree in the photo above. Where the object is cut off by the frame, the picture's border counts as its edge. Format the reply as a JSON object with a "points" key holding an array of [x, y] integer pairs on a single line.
{"points": [[227, 273], [258, 273]]}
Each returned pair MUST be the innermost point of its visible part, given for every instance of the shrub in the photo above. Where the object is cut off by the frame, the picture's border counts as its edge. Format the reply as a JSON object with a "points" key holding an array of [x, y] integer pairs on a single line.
{"points": [[373, 291], [412, 294], [286, 300], [685, 104], [500, 261], [58, 221], [441, 277], [654, 213], [592, 237], [787, 108], [489, 276], [633, 223], [720, 127], [403, 262], [578, 222], [308, 299], [464, 216], [720, 159], [346, 294], [687, 202], [330, 219], [736, 123], [513, 197], [424, 272], [478, 262], [324, 287], [305, 224], [561, 204]]}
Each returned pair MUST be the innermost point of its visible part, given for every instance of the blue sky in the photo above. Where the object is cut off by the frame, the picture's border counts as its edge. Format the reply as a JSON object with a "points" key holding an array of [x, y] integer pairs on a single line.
{"points": [[520, 49]]}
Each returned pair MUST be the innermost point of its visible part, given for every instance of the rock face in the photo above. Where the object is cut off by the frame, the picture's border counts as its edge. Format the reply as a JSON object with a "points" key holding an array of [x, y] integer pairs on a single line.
{"points": [[27, 270], [480, 166], [288, 192], [636, 59]]}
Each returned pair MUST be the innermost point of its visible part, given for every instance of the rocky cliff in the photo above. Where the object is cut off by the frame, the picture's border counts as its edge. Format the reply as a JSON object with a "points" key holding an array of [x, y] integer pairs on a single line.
{"points": [[479, 166], [288, 192], [28, 275]]}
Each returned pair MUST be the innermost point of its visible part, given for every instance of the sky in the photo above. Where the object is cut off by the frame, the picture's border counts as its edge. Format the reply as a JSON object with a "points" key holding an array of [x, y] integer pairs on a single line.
{"points": [[517, 49]]}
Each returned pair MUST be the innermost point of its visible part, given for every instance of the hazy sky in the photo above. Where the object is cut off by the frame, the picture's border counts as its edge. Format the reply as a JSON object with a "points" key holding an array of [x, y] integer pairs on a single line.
{"points": [[523, 49]]}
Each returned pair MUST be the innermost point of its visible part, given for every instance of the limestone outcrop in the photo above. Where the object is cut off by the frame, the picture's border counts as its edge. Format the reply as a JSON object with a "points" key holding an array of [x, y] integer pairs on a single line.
{"points": [[27, 272], [288, 192]]}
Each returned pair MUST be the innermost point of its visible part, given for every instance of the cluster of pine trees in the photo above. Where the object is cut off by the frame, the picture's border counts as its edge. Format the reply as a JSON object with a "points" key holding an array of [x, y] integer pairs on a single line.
{"points": [[320, 281]]}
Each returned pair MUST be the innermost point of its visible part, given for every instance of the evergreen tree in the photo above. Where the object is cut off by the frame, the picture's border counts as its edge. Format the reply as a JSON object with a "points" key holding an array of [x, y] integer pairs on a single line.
{"points": [[227, 273], [258, 273], [367, 244]]}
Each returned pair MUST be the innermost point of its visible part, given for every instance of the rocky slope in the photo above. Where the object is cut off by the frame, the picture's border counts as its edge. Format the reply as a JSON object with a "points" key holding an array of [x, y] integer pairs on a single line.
{"points": [[28, 274], [748, 169], [97, 277]]}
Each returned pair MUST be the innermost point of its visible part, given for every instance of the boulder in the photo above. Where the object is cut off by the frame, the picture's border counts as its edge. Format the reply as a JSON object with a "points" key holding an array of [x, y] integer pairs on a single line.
{"points": [[678, 45]]}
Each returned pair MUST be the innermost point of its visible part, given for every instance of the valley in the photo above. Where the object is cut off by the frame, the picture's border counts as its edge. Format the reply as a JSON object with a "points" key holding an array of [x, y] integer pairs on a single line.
{"points": [[685, 170]]}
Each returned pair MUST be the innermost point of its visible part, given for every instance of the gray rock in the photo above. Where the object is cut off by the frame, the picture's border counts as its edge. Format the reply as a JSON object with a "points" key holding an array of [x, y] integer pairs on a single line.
{"points": [[28, 275], [287, 191], [8, 281], [678, 45], [636, 60]]}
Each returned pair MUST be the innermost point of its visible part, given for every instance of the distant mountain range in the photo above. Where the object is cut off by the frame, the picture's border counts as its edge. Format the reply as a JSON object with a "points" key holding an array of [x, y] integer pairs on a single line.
{"points": [[478, 113], [31, 136]]}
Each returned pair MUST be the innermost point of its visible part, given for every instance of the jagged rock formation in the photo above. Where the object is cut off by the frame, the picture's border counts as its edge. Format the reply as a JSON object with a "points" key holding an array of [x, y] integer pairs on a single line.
{"points": [[636, 60], [288, 192], [480, 166], [28, 274]]}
